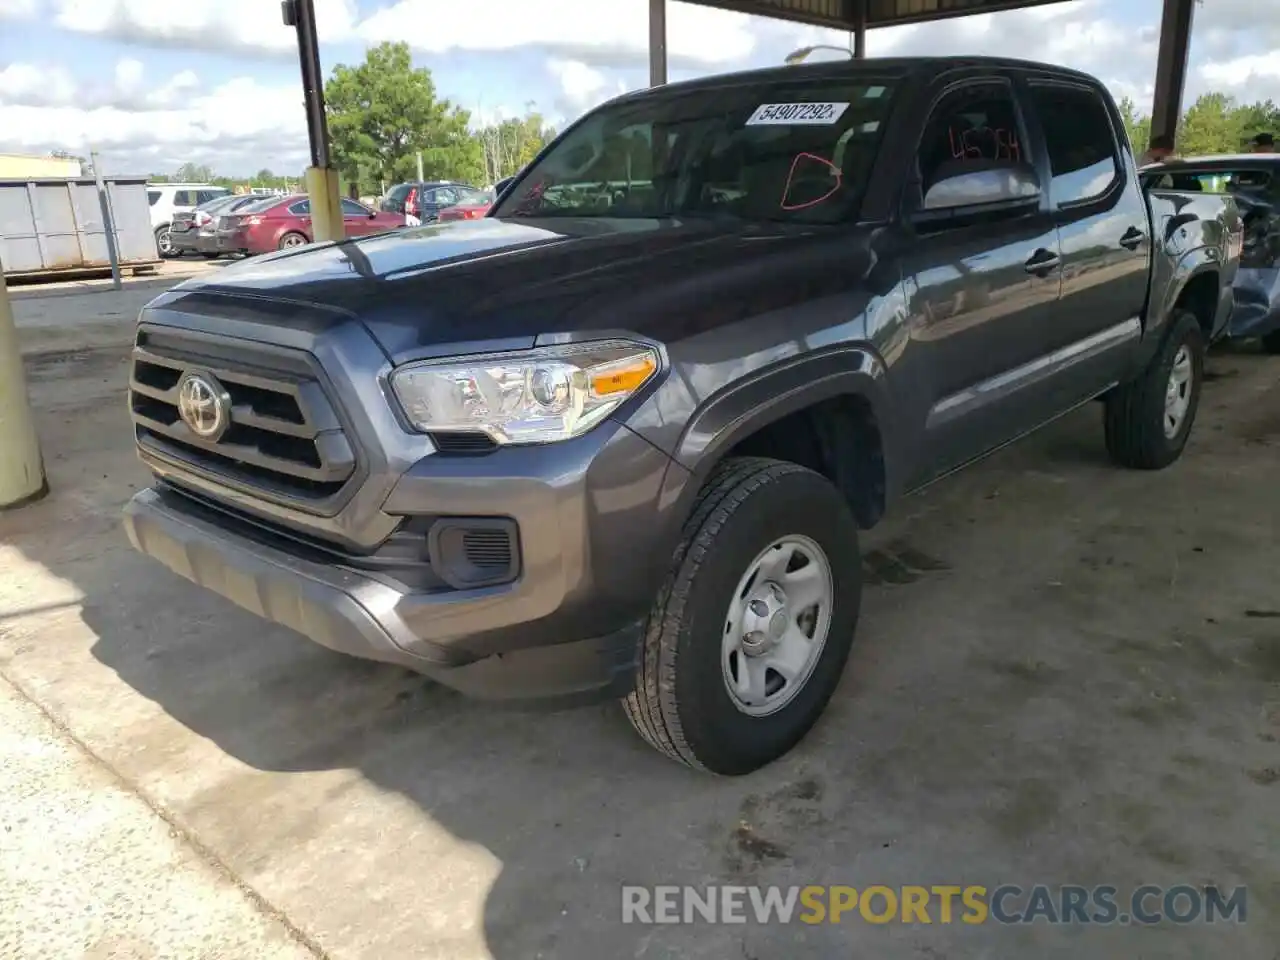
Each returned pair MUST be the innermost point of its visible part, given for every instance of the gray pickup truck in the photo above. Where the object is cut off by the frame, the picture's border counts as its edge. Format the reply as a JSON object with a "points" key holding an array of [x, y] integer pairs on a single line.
{"points": [[617, 439]]}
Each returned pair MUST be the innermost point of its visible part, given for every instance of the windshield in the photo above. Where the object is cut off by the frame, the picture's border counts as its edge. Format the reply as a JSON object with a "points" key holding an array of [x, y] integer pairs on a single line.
{"points": [[473, 198], [794, 150]]}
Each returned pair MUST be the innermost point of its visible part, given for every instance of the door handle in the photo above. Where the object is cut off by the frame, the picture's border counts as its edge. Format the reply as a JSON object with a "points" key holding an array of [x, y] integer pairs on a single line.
{"points": [[1043, 262], [1132, 238]]}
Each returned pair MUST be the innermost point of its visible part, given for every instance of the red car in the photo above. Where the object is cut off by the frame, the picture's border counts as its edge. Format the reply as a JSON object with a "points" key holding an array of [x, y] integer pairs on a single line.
{"points": [[284, 222], [465, 211]]}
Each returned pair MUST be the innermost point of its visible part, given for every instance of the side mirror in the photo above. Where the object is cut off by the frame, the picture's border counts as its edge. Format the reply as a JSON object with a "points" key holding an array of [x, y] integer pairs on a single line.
{"points": [[962, 185]]}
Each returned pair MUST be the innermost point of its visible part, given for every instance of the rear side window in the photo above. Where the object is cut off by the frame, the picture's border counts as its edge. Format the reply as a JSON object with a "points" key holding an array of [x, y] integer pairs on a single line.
{"points": [[1081, 141], [152, 197], [400, 191], [301, 209], [184, 198]]}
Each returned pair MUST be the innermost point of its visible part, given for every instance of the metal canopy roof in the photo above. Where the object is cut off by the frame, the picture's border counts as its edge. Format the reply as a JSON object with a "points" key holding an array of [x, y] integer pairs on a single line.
{"points": [[843, 14]]}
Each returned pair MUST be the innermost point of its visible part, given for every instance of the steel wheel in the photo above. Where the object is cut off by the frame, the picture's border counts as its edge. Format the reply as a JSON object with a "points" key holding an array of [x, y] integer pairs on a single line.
{"points": [[1177, 395], [776, 625]]}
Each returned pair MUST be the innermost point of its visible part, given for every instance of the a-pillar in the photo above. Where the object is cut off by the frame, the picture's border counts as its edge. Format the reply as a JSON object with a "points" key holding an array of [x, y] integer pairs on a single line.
{"points": [[1171, 67]]}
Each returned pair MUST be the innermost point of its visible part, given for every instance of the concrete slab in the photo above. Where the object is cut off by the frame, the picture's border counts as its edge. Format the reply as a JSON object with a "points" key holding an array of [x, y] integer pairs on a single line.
{"points": [[89, 870], [1066, 674]]}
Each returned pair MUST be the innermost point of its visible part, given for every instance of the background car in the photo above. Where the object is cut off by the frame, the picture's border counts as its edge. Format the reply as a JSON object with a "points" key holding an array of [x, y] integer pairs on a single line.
{"points": [[424, 199], [168, 199], [281, 223], [194, 231], [471, 206]]}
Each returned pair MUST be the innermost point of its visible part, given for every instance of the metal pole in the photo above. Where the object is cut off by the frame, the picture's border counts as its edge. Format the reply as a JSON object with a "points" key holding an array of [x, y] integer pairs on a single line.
{"points": [[859, 29], [657, 42], [21, 466], [108, 221], [322, 179], [1171, 67], [420, 177]]}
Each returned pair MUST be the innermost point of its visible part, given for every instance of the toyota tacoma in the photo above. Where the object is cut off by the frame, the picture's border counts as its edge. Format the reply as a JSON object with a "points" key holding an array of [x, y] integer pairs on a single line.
{"points": [[618, 437]]}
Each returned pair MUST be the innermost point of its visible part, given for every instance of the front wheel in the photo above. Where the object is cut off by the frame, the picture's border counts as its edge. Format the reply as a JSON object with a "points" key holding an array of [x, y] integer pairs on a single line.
{"points": [[750, 632], [1148, 421]]}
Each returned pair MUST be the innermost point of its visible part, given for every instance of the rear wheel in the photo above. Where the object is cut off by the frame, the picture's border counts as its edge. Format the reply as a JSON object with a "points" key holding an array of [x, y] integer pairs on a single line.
{"points": [[164, 244], [1148, 421], [291, 240], [750, 633]]}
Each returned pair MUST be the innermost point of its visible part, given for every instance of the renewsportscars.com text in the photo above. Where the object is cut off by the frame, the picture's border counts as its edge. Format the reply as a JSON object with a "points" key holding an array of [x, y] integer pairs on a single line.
{"points": [[942, 904]]}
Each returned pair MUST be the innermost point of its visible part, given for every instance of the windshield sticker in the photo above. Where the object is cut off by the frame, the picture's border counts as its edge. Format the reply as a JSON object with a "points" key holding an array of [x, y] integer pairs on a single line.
{"points": [[810, 180], [788, 114]]}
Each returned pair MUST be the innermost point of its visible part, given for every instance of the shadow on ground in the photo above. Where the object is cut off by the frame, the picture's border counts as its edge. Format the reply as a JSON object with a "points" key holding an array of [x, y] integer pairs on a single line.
{"points": [[1077, 680]]}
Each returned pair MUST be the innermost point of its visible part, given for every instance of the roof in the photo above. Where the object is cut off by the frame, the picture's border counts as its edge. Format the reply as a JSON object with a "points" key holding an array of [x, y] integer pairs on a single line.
{"points": [[841, 14], [1215, 160], [878, 67]]}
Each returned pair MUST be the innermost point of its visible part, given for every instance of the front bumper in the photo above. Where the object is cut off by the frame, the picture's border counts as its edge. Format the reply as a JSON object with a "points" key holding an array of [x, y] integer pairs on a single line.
{"points": [[367, 616]]}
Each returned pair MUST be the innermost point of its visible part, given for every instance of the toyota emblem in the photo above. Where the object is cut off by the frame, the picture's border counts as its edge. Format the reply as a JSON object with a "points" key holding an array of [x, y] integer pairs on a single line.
{"points": [[204, 406]]}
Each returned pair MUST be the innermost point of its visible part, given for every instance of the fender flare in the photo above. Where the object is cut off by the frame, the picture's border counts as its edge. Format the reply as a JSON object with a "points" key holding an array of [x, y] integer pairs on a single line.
{"points": [[765, 396]]}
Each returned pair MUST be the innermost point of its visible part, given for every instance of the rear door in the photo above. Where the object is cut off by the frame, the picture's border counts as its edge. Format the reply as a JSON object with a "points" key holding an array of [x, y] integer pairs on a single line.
{"points": [[1103, 228], [981, 289]]}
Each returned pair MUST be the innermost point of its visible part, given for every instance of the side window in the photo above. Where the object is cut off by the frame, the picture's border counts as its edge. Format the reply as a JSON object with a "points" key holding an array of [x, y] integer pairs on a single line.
{"points": [[446, 197], [974, 123], [1081, 141], [428, 197], [352, 209], [152, 197], [184, 198], [301, 209]]}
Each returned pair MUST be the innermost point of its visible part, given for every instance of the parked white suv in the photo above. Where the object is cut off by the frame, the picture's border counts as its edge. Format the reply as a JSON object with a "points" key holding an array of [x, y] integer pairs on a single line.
{"points": [[166, 199]]}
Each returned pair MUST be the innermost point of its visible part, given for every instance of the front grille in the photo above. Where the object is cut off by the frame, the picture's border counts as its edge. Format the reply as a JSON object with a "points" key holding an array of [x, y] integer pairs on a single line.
{"points": [[285, 440]]}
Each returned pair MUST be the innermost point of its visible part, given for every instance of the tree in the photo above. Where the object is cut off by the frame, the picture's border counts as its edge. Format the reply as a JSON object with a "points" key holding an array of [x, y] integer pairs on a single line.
{"points": [[194, 173], [1212, 125], [383, 112], [511, 144], [1138, 127]]}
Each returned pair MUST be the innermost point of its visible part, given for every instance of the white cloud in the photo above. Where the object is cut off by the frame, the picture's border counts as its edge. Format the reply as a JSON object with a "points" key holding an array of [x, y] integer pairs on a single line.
{"points": [[247, 26], [581, 87], [238, 126], [586, 30]]}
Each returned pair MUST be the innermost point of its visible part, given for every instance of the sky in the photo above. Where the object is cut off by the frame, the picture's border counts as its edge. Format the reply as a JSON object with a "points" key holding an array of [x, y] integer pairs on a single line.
{"points": [[151, 84]]}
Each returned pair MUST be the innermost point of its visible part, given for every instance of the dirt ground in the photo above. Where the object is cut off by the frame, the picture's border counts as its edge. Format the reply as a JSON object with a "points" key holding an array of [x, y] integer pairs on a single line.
{"points": [[1065, 674]]}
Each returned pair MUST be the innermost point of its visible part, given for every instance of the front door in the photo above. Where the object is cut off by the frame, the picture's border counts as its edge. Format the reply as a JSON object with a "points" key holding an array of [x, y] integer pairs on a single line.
{"points": [[356, 219], [981, 292]]}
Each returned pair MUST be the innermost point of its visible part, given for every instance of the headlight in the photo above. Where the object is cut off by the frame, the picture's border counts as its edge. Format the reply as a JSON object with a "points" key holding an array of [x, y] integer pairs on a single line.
{"points": [[528, 396]]}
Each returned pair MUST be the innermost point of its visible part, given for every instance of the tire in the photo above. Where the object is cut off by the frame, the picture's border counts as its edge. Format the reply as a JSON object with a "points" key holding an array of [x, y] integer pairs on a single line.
{"points": [[211, 256], [681, 703], [1139, 426], [291, 241], [164, 245], [1271, 343]]}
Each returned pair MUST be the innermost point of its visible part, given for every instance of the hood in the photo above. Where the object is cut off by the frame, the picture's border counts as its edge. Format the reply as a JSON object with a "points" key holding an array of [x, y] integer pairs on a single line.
{"points": [[513, 280]]}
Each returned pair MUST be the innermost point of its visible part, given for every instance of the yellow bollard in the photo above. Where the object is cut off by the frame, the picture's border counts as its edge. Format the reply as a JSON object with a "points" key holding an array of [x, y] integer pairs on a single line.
{"points": [[21, 467], [326, 204]]}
